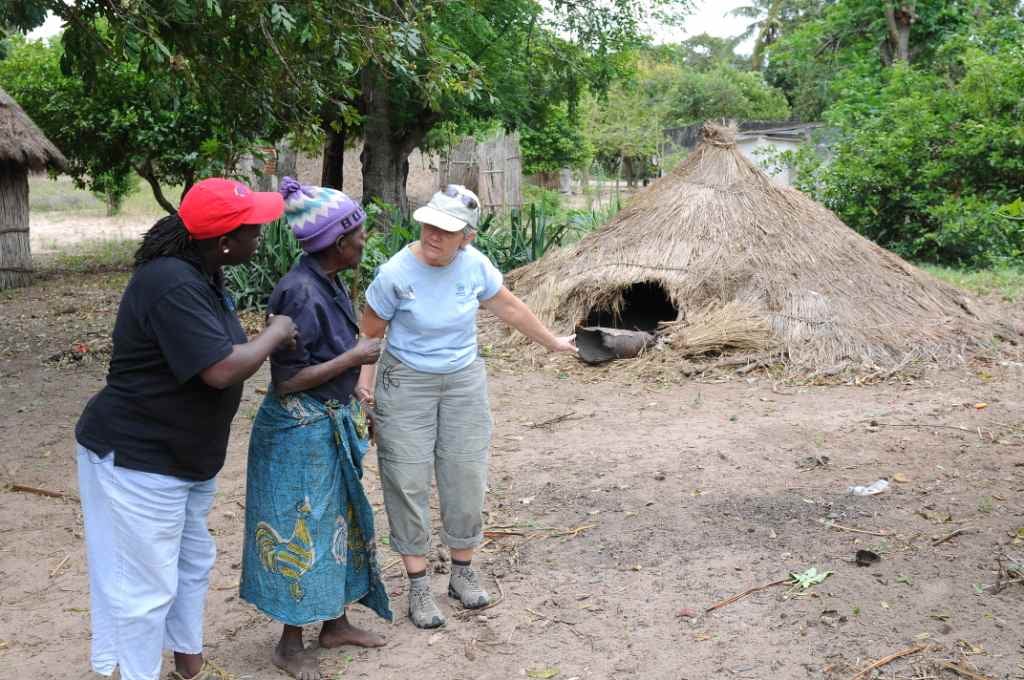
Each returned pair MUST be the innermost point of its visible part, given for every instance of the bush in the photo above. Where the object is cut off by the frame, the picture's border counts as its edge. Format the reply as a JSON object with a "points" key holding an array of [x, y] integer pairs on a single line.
{"points": [[531, 233], [970, 231], [924, 159]]}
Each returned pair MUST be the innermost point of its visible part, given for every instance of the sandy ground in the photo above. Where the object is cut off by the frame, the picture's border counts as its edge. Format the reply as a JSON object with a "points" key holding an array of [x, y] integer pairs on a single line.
{"points": [[53, 231], [636, 507]]}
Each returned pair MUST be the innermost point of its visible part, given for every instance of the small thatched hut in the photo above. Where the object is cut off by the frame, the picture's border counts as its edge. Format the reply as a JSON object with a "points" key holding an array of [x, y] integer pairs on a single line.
{"points": [[716, 257], [23, 148]]}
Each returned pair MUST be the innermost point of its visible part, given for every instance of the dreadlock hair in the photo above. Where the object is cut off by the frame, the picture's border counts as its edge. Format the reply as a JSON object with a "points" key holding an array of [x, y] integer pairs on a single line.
{"points": [[168, 238]]}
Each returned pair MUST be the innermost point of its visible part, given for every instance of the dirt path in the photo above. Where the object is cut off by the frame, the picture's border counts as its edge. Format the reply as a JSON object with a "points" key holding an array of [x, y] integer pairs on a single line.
{"points": [[640, 503]]}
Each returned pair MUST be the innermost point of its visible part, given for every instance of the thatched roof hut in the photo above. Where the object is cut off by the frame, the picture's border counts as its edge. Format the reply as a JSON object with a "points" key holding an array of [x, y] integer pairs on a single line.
{"points": [[716, 257], [23, 149]]}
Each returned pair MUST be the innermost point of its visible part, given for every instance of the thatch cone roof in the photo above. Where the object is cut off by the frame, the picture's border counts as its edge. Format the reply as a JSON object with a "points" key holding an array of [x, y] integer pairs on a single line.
{"points": [[22, 143], [754, 266]]}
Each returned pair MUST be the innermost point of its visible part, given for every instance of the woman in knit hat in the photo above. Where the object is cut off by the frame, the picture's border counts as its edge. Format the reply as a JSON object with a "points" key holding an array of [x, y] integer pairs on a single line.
{"points": [[151, 443], [309, 538]]}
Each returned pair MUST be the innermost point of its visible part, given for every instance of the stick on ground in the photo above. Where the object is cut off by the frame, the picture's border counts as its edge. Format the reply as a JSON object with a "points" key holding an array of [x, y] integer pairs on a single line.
{"points": [[729, 600], [60, 566], [854, 530], [889, 659], [934, 426], [553, 421], [951, 536], [960, 670], [21, 488]]}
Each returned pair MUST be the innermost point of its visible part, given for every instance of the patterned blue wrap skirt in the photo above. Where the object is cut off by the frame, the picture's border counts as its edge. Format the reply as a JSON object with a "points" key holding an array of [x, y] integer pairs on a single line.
{"points": [[309, 540]]}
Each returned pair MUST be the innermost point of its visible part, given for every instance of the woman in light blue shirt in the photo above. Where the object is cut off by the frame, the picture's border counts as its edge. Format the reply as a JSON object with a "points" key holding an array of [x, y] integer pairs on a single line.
{"points": [[429, 391]]}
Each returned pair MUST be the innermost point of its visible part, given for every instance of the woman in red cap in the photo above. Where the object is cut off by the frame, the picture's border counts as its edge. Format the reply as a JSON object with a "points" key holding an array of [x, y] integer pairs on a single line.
{"points": [[151, 442]]}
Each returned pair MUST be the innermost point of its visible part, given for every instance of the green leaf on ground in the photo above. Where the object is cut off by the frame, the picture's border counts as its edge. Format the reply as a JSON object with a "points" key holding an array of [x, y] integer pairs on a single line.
{"points": [[809, 577]]}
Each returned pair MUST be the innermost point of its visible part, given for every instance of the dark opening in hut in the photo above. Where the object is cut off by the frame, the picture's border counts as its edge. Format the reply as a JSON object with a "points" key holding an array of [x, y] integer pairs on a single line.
{"points": [[644, 305]]}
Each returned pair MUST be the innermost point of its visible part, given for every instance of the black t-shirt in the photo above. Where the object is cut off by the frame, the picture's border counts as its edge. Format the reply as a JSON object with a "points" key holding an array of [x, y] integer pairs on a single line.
{"points": [[156, 413]]}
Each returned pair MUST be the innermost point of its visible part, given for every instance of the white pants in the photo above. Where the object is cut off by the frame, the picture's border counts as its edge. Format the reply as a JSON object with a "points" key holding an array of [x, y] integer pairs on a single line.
{"points": [[150, 556]]}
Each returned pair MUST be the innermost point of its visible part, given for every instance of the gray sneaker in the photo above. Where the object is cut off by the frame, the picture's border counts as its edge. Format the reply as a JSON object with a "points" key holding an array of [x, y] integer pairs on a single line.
{"points": [[422, 608], [465, 585]]}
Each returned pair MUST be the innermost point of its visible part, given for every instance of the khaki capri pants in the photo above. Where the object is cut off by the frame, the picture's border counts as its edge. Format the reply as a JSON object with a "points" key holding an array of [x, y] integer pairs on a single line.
{"points": [[432, 424]]}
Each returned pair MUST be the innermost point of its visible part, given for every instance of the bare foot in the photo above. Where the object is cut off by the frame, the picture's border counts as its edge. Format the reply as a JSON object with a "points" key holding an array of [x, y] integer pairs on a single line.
{"points": [[301, 664], [340, 632]]}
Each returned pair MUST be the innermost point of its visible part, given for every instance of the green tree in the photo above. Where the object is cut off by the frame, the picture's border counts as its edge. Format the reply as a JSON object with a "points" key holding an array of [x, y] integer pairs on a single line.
{"points": [[701, 52], [626, 125], [770, 19], [927, 157], [556, 143], [865, 37], [124, 121], [723, 92], [388, 72]]}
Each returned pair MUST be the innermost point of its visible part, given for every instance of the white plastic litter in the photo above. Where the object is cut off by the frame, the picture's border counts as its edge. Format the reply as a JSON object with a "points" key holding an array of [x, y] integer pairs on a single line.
{"points": [[869, 490]]}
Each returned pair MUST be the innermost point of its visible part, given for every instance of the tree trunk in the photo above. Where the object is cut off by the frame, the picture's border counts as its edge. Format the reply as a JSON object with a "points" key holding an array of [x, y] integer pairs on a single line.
{"points": [[898, 21], [765, 35], [15, 249], [332, 174], [385, 155]]}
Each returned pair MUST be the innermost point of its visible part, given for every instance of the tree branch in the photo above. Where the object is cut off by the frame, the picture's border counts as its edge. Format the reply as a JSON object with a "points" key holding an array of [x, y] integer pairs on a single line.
{"points": [[147, 173]]}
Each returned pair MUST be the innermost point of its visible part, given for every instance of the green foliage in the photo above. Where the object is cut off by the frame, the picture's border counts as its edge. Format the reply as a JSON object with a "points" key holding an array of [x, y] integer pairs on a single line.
{"points": [[626, 124], [389, 72], [253, 282], [548, 201], [814, 54], [556, 143], [123, 121], [388, 231], [723, 92], [771, 19], [530, 233], [113, 188], [701, 53], [928, 157]]}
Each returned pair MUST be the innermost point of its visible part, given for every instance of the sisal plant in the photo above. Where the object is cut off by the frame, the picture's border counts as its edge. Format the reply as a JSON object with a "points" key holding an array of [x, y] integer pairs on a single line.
{"points": [[715, 258], [23, 149]]}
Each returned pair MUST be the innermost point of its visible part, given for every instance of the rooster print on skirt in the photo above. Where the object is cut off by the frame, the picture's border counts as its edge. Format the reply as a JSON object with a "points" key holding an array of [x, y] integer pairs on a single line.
{"points": [[290, 557]]}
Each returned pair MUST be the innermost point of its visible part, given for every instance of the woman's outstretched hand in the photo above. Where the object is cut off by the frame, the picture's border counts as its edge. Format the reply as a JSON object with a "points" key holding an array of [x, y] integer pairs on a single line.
{"points": [[565, 343]]}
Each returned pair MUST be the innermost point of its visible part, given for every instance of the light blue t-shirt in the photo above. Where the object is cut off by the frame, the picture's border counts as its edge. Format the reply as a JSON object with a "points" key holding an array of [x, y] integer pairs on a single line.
{"points": [[432, 310]]}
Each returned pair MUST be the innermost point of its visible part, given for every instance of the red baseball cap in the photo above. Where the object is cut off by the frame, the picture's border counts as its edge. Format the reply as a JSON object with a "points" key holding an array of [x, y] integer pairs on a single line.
{"points": [[215, 206]]}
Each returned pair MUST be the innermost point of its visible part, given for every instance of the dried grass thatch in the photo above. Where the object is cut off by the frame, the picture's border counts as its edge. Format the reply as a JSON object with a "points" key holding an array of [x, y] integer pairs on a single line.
{"points": [[23, 148], [22, 143], [752, 266]]}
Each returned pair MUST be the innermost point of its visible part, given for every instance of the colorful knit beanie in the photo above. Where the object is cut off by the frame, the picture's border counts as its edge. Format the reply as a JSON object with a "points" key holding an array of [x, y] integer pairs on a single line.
{"points": [[318, 216]]}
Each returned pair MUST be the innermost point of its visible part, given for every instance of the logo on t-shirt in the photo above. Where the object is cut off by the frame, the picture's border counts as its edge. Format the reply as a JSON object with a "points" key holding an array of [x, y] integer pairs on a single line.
{"points": [[460, 289]]}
